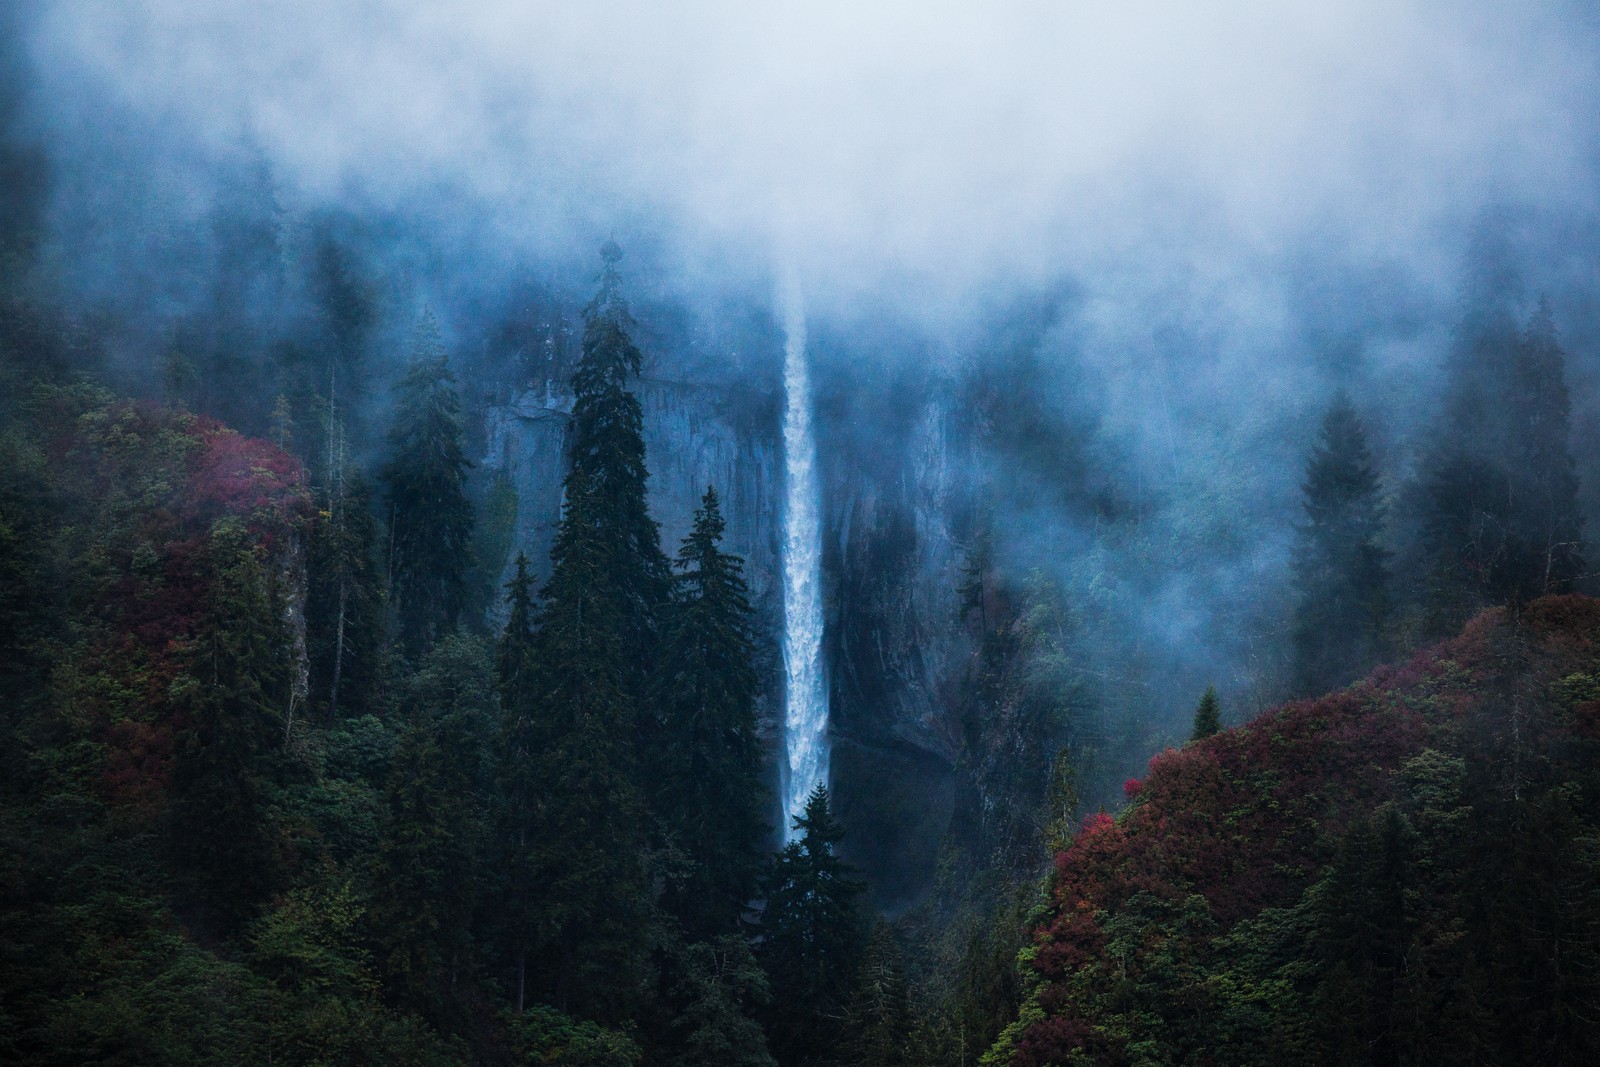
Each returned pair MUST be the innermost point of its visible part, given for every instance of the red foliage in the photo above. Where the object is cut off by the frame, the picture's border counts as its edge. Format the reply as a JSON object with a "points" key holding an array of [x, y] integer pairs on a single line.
{"points": [[148, 484], [138, 763], [1247, 818], [1053, 1041], [235, 475]]}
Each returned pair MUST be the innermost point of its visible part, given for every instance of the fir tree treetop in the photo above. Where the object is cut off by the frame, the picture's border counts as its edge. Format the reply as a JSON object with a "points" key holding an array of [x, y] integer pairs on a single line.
{"points": [[1208, 716]]}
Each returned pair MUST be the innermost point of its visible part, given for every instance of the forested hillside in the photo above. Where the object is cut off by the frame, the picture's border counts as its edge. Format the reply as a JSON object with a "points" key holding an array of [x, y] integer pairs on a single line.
{"points": [[277, 792], [835, 535], [1402, 872]]}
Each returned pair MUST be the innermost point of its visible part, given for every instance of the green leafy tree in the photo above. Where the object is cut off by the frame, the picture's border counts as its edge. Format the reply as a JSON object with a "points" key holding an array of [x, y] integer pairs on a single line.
{"points": [[708, 775], [811, 938], [430, 517], [1207, 715], [1341, 573]]}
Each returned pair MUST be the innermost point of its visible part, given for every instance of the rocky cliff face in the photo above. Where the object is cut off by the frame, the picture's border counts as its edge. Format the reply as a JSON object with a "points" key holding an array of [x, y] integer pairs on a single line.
{"points": [[897, 650], [695, 436], [891, 561]]}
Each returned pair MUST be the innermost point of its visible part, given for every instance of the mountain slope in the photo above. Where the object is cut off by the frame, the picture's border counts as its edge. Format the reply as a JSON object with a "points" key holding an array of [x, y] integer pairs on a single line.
{"points": [[1403, 872]]}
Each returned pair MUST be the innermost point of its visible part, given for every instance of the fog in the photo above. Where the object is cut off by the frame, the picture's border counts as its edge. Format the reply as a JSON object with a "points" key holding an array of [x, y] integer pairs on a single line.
{"points": [[1225, 211]]}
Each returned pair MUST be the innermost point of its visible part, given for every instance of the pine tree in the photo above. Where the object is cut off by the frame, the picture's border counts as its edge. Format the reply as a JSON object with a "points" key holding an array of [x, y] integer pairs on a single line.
{"points": [[810, 938], [230, 761], [344, 600], [430, 517], [593, 650], [523, 735], [878, 1023], [709, 789], [586, 841], [1341, 571], [1207, 715], [1499, 515], [429, 849], [1552, 527], [608, 464]]}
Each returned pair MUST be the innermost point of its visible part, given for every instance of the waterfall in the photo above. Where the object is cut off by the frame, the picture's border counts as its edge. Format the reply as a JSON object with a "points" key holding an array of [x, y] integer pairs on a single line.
{"points": [[805, 719]]}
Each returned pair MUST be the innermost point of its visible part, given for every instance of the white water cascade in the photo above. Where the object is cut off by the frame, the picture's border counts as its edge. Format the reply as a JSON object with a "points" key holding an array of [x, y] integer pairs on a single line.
{"points": [[805, 719]]}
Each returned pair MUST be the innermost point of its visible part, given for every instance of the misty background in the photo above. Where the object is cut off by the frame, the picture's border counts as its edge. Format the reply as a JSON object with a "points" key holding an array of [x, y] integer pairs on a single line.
{"points": [[1128, 255]]}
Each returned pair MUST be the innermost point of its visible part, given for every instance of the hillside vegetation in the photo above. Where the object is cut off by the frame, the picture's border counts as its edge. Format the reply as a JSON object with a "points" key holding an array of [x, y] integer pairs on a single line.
{"points": [[1403, 872]]}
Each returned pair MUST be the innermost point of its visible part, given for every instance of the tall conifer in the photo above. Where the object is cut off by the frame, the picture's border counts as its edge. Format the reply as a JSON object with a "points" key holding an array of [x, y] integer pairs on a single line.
{"points": [[430, 517], [811, 938], [592, 650], [524, 734], [230, 759], [708, 785], [1207, 715], [344, 600], [1500, 520], [1341, 572]]}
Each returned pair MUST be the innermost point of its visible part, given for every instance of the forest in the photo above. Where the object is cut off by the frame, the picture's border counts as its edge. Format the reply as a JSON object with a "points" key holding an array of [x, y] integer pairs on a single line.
{"points": [[475, 600]]}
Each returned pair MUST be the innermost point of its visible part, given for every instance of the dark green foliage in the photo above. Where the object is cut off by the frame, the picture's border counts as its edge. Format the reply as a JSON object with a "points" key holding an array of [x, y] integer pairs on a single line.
{"points": [[608, 468], [719, 986], [517, 783], [1364, 931], [326, 991], [592, 651], [586, 836], [811, 939], [546, 1037], [1207, 715], [1499, 514], [426, 865], [230, 758], [1400, 873], [344, 602], [708, 787], [1341, 575], [430, 517], [878, 1020]]}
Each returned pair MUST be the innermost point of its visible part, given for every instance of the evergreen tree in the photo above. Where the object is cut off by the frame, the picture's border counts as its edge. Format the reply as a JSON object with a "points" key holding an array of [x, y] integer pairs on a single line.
{"points": [[1499, 517], [1552, 528], [608, 464], [1340, 570], [810, 939], [522, 737], [1364, 941], [229, 762], [708, 782], [1207, 715], [878, 1023], [430, 517], [593, 649], [586, 842], [721, 984], [432, 833], [344, 600]]}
